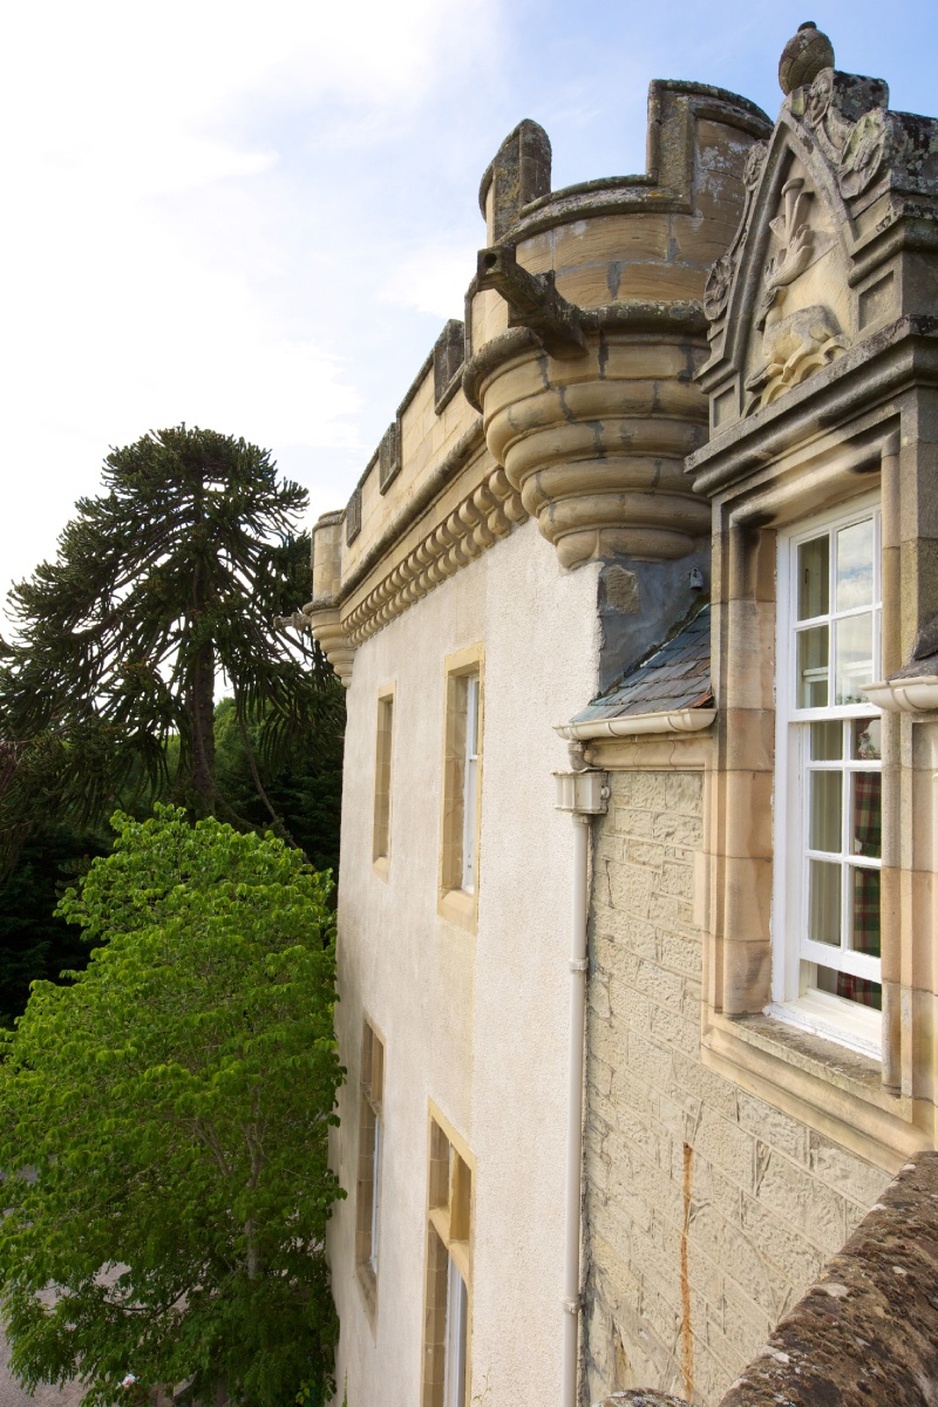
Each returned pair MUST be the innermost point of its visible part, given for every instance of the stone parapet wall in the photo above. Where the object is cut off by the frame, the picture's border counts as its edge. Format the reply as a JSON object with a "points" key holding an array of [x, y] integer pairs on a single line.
{"points": [[709, 1212]]}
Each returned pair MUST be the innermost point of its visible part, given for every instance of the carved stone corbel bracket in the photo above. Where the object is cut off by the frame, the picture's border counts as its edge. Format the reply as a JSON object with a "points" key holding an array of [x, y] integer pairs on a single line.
{"points": [[533, 302], [595, 447], [324, 620]]}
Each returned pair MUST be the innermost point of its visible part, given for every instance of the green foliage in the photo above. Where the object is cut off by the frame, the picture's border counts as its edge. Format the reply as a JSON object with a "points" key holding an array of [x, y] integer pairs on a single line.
{"points": [[173, 576], [164, 1126]]}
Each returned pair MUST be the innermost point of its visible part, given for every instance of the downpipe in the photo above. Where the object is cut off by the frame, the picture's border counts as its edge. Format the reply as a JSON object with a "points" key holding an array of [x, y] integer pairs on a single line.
{"points": [[584, 794]]}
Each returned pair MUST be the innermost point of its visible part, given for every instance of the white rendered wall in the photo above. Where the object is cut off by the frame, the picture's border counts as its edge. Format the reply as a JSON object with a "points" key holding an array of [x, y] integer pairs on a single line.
{"points": [[475, 1023]]}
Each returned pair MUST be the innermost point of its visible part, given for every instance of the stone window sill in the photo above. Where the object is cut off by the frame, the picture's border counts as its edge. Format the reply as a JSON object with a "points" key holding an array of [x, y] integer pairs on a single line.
{"points": [[458, 907], [368, 1286], [835, 1090]]}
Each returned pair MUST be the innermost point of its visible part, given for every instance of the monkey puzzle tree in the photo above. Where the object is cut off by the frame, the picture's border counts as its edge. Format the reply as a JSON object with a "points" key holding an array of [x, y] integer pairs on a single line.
{"points": [[169, 580], [164, 1124]]}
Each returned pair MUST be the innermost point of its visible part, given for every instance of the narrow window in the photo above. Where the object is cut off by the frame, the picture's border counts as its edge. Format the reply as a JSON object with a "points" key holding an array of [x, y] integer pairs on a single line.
{"points": [[381, 834], [470, 686], [459, 868], [446, 1335], [829, 740], [371, 1131]]}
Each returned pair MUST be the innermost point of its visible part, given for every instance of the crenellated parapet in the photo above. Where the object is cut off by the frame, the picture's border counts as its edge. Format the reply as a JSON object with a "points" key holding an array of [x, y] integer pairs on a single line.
{"points": [[567, 393]]}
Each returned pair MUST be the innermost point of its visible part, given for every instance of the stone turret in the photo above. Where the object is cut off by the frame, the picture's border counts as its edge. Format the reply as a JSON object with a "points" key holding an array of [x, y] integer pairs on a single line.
{"points": [[588, 327], [583, 333]]}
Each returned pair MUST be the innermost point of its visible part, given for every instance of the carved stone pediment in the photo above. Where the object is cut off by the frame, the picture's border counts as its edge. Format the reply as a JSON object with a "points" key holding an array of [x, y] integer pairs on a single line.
{"points": [[807, 272]]}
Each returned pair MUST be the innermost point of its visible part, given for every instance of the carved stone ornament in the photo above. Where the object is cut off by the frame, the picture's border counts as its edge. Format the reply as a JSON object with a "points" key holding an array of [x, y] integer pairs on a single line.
{"points": [[792, 348], [718, 285], [863, 154], [804, 56], [721, 275], [796, 245], [856, 149]]}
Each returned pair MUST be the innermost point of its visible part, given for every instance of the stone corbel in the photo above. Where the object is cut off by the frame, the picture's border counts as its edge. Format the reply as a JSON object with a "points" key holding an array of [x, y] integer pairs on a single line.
{"points": [[533, 302], [324, 621]]}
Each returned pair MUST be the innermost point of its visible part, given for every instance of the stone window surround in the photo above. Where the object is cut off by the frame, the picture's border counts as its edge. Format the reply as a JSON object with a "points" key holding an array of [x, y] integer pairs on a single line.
{"points": [[873, 1110], [370, 1142], [450, 1202], [455, 904], [853, 1024], [883, 1112], [384, 741]]}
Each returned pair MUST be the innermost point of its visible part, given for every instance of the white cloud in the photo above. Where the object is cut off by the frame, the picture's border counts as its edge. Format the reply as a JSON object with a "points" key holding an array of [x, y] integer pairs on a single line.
{"points": [[433, 278]]}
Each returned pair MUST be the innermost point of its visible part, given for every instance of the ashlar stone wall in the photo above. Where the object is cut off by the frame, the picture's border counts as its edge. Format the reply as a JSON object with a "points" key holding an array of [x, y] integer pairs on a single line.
{"points": [[708, 1212]]}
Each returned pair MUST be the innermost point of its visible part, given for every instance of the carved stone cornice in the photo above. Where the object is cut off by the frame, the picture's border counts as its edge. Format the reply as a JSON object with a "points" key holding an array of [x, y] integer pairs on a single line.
{"points": [[324, 620], [480, 518], [485, 515]]}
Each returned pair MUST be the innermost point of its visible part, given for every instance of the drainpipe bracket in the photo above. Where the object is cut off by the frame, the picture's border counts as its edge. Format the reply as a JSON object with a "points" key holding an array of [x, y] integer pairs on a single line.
{"points": [[579, 965], [572, 1306]]}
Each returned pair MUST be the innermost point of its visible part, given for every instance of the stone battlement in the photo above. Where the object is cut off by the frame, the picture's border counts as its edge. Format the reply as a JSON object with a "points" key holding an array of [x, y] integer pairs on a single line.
{"points": [[567, 393]]}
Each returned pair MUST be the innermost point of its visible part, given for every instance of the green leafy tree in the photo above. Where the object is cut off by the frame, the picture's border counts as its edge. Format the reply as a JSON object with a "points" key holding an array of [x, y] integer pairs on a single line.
{"points": [[164, 1123], [169, 580]]}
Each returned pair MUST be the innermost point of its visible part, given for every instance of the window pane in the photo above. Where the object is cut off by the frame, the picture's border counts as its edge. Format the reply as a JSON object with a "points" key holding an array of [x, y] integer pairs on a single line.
{"points": [[827, 741], [852, 989], [824, 830], [867, 813], [853, 657], [812, 667], [814, 578], [457, 1320], [866, 735], [866, 911], [824, 903], [854, 576]]}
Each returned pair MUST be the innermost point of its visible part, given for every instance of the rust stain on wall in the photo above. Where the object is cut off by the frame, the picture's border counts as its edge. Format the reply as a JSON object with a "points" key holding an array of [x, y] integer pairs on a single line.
{"points": [[687, 1338]]}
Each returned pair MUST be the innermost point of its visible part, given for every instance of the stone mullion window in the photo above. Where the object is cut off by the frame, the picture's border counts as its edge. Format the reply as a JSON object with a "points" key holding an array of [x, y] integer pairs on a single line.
{"points": [[449, 1277]]}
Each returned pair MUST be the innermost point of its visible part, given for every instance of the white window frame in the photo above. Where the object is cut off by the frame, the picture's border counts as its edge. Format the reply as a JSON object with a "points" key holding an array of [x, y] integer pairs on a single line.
{"points": [[794, 999], [461, 791], [471, 683]]}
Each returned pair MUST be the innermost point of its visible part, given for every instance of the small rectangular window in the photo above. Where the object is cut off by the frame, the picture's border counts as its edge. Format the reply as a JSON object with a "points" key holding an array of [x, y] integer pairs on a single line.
{"points": [[447, 1320], [470, 685], [381, 833], [462, 781], [370, 1149]]}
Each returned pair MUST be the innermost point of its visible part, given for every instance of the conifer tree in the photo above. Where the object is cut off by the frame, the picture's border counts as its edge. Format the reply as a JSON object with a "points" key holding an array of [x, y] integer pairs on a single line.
{"points": [[164, 584]]}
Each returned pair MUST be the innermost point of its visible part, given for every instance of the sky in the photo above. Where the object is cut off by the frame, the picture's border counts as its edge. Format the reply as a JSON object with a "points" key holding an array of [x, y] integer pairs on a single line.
{"points": [[257, 218]]}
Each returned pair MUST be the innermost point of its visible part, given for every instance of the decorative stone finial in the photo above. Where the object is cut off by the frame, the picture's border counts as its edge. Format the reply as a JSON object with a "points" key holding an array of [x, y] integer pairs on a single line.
{"points": [[803, 57]]}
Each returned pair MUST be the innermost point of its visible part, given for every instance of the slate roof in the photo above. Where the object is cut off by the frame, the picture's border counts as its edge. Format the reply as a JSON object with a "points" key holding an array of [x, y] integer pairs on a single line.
{"points": [[675, 676]]}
